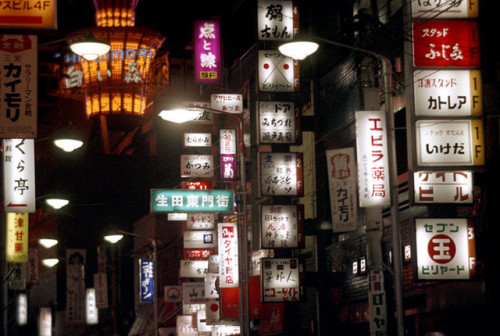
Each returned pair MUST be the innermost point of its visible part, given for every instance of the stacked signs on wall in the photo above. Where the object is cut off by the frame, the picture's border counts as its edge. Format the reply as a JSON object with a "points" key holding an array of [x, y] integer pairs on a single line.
{"points": [[448, 131]]}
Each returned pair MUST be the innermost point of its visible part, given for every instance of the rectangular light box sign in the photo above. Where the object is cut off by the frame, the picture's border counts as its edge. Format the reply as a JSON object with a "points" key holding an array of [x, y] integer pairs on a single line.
{"points": [[193, 268], [228, 252], [447, 93], [445, 248], [228, 103], [278, 123], [197, 165], [201, 221], [17, 237], [277, 20], [183, 200], [445, 9], [443, 187], [281, 174], [280, 279], [91, 312], [197, 140], [227, 145], [278, 73], [208, 60], [200, 239], [282, 226], [40, 14], [146, 273]]}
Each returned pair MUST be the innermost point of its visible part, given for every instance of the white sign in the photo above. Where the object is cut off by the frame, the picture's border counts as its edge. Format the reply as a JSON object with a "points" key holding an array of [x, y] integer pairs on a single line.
{"points": [[214, 264], [449, 142], [277, 20], [197, 139], [277, 123], [193, 268], [342, 183], [280, 279], [22, 309], [445, 9], [211, 287], [447, 93], [228, 252], [443, 187], [185, 325], [193, 293], [172, 293], [177, 216], [282, 226], [205, 117], [228, 103], [445, 248], [200, 221], [19, 83], [281, 174], [45, 322], [19, 175], [194, 165], [200, 239], [227, 141], [373, 161], [92, 313], [277, 73]]}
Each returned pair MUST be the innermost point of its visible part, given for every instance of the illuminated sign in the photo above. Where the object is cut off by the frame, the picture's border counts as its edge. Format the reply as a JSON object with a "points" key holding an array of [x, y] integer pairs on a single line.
{"points": [[278, 123], [277, 20], [281, 174], [450, 142], [377, 302], [449, 9], [45, 322], [196, 185], [193, 292], [280, 279], [192, 200], [200, 221], [22, 309], [193, 268], [227, 145], [18, 79], [146, 276], [229, 103], [445, 248], [197, 253], [447, 93], [228, 252], [342, 186], [19, 175], [17, 237], [446, 44], [278, 73], [443, 187], [197, 165], [373, 161], [208, 62], [197, 139], [92, 313], [200, 239], [185, 325], [282, 226], [29, 14]]}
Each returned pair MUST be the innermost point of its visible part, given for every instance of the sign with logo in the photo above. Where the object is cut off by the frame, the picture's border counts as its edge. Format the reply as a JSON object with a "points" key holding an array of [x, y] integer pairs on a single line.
{"points": [[282, 226], [200, 239], [281, 174], [29, 14], [277, 20], [445, 248], [185, 200], [342, 186], [208, 60], [443, 187], [450, 142], [227, 141], [228, 103], [19, 82], [197, 139], [197, 165], [445, 9], [452, 43], [278, 73], [172, 293], [228, 252], [373, 160], [17, 237], [447, 93], [280, 279], [146, 269], [278, 123]]}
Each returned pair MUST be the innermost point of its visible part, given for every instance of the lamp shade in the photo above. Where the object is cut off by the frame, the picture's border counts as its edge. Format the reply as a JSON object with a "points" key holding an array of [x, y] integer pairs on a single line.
{"points": [[180, 115], [47, 242], [56, 203], [298, 49], [90, 48], [50, 262], [113, 238], [67, 144]]}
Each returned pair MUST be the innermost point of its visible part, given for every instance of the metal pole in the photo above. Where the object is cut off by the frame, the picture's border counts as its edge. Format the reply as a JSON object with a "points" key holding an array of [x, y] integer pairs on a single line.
{"points": [[155, 290]]}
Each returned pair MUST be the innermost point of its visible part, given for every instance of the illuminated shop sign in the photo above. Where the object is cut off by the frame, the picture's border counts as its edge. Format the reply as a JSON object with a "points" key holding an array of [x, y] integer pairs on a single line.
{"points": [[443, 187], [192, 200], [230, 103], [146, 270], [207, 55], [228, 252], [280, 279], [445, 9], [29, 14], [278, 123], [282, 226], [277, 20], [193, 268], [227, 145], [17, 237], [197, 165], [278, 73], [197, 139], [200, 239], [281, 174]]}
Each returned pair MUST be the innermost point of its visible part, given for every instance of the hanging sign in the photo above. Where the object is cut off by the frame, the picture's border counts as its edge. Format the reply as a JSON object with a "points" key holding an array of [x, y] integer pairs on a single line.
{"points": [[450, 142], [200, 239], [445, 9], [443, 187], [196, 165], [278, 73], [91, 311], [200, 185], [450, 43], [342, 186], [193, 268], [373, 161], [75, 285], [193, 293], [229, 103], [192, 200], [377, 303], [228, 252], [280, 280], [29, 14], [17, 237], [447, 93], [22, 309], [282, 226], [208, 60], [198, 254], [277, 20], [445, 248], [45, 321], [281, 174], [146, 269], [101, 289], [227, 141], [200, 221], [278, 123], [197, 140]]}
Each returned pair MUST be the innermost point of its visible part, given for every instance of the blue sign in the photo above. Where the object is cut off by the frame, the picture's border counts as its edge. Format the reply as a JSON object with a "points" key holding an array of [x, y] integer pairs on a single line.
{"points": [[146, 285]]}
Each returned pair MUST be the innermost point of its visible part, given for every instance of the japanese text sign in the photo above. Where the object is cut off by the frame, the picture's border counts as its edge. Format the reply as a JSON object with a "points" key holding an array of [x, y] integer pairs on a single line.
{"points": [[185, 325], [282, 226], [443, 187], [445, 44], [197, 140], [278, 73], [193, 292], [17, 237], [200, 221], [91, 311], [197, 165], [449, 9], [278, 123], [450, 142], [207, 52], [19, 175], [281, 174], [377, 303], [228, 252], [192, 200], [18, 86], [199, 239], [447, 93], [280, 279], [373, 161], [342, 187], [196, 253], [196, 185], [229, 103], [29, 14], [75, 285], [193, 268], [445, 248], [277, 20], [146, 269], [227, 142]]}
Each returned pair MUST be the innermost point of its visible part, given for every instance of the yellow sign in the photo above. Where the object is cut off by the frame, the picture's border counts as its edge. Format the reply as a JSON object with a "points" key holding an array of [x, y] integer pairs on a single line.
{"points": [[17, 237], [478, 142], [29, 14]]}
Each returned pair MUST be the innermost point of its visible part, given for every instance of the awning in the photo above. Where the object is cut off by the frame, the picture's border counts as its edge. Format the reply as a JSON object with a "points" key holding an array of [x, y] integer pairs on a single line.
{"points": [[144, 323]]}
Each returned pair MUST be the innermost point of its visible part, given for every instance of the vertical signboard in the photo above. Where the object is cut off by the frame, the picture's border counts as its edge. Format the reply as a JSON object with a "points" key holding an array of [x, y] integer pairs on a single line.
{"points": [[277, 20], [280, 279], [91, 311], [377, 303], [19, 175], [445, 248], [282, 226], [227, 141], [342, 186], [75, 285], [278, 123], [101, 289], [146, 280], [19, 83], [373, 161], [278, 73], [17, 237], [228, 252], [281, 174], [207, 53]]}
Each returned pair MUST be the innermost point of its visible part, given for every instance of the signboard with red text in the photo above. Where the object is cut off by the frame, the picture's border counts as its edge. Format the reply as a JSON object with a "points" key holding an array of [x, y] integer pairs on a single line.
{"points": [[278, 73], [17, 237], [228, 103], [443, 187], [29, 14], [280, 279], [282, 226], [228, 252]]}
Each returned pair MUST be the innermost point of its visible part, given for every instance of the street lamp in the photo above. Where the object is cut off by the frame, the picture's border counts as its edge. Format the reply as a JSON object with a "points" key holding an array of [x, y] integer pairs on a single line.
{"points": [[301, 49], [170, 115], [117, 236], [89, 47]]}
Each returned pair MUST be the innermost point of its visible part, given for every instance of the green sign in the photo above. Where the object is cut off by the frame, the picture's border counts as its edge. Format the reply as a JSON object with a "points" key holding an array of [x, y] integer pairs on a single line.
{"points": [[184, 200]]}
